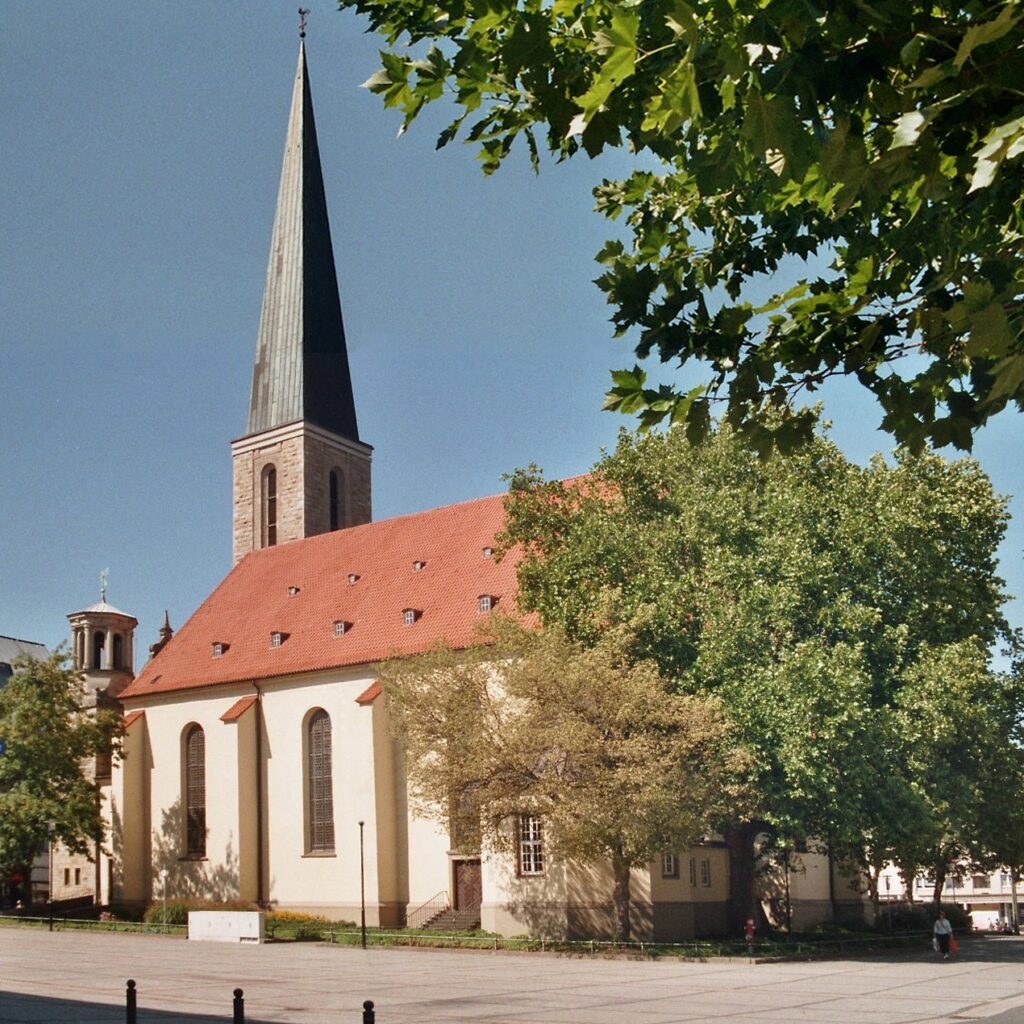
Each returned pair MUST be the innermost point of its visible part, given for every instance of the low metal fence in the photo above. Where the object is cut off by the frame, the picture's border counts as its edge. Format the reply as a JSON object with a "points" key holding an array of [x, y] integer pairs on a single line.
{"points": [[693, 949], [699, 949], [61, 923]]}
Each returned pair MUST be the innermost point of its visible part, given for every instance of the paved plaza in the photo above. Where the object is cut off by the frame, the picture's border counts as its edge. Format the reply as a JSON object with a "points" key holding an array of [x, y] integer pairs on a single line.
{"points": [[78, 976]]}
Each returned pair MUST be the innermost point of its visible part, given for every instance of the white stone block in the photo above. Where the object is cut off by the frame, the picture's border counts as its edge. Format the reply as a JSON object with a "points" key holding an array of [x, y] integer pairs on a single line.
{"points": [[225, 926]]}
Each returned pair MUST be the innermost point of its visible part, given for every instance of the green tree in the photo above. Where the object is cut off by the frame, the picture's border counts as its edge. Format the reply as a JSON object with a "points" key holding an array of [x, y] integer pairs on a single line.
{"points": [[1000, 812], [618, 768], [868, 151], [44, 794], [957, 720], [800, 592]]}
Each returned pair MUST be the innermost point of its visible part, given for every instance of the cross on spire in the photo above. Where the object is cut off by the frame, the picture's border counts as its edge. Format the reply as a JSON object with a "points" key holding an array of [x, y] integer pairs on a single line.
{"points": [[104, 574], [303, 11]]}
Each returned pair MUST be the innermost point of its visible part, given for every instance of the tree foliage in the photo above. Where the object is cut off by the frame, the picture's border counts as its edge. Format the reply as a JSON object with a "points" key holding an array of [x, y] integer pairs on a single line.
{"points": [[869, 151], [44, 794], [959, 727], [813, 597], [587, 737]]}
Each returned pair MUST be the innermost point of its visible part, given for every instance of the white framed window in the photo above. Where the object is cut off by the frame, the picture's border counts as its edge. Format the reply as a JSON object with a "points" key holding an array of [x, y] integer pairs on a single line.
{"points": [[487, 552], [705, 871], [669, 865], [340, 627], [484, 603], [275, 639], [409, 616], [531, 845], [352, 577], [218, 650], [693, 872]]}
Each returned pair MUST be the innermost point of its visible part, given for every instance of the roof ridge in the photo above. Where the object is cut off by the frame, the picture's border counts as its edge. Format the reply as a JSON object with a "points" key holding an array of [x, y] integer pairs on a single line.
{"points": [[21, 640]]}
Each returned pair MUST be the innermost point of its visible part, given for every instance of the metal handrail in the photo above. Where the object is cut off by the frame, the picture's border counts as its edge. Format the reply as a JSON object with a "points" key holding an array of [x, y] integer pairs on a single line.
{"points": [[437, 904]]}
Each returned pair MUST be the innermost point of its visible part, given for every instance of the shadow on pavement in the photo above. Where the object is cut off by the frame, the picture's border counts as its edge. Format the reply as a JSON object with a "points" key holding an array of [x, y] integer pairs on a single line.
{"points": [[17, 1008]]}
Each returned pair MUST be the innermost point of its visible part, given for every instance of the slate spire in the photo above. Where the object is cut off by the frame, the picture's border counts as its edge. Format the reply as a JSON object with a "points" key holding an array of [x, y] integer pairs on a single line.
{"points": [[301, 370]]}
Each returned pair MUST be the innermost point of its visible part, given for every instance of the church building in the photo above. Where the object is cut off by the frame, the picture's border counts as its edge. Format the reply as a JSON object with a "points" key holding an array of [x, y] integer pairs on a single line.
{"points": [[258, 764]]}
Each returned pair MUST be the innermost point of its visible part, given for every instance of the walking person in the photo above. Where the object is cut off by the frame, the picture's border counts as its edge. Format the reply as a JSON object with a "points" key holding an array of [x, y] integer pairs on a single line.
{"points": [[943, 932]]}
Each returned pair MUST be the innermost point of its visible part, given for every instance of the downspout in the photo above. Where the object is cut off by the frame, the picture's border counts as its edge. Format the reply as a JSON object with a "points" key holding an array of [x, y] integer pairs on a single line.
{"points": [[259, 797]]}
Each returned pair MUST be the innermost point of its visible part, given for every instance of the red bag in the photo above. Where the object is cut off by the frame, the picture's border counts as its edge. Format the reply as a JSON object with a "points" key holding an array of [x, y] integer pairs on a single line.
{"points": [[952, 944]]}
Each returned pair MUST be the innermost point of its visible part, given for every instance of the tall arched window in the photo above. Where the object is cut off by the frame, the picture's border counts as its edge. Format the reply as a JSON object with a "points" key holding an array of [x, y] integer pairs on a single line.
{"points": [[118, 661], [195, 792], [321, 797], [337, 499], [268, 504], [97, 650]]}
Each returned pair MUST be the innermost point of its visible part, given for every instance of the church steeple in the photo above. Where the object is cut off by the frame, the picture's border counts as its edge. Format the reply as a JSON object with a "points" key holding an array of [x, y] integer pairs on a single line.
{"points": [[301, 370], [300, 469]]}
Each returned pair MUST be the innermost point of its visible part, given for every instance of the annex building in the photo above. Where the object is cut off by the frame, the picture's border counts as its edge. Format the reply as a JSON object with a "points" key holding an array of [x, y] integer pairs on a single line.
{"points": [[258, 761]]}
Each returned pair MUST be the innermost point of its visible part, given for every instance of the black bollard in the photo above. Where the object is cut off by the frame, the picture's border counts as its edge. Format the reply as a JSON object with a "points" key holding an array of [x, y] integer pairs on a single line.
{"points": [[131, 1016], [369, 1017], [239, 1008]]}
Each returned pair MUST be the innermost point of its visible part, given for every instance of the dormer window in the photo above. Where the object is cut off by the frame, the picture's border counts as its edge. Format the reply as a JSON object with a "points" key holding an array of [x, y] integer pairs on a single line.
{"points": [[293, 591], [485, 602], [219, 648], [276, 639], [341, 627], [352, 578], [418, 566], [410, 615], [487, 552]]}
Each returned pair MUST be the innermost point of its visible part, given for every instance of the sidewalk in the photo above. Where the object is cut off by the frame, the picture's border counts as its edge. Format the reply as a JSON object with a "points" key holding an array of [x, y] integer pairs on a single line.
{"points": [[78, 976]]}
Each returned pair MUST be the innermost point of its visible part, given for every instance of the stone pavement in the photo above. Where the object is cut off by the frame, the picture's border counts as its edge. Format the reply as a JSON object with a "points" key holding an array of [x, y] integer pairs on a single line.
{"points": [[80, 976]]}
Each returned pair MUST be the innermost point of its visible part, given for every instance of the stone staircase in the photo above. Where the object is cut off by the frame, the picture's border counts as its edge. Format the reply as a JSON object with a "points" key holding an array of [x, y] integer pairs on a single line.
{"points": [[454, 921]]}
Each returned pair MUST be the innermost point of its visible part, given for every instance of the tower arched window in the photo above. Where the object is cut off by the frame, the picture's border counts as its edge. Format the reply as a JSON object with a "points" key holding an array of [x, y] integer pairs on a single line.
{"points": [[97, 650], [319, 786], [268, 503], [337, 499], [118, 659], [195, 792]]}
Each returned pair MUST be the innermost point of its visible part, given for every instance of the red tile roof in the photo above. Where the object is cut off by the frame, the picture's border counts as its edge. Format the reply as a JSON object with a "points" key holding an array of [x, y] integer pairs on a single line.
{"points": [[239, 708], [371, 693], [132, 717], [252, 601]]}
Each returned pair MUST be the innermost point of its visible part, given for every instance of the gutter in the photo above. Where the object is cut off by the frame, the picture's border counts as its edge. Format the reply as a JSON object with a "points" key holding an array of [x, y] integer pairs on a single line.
{"points": [[259, 797]]}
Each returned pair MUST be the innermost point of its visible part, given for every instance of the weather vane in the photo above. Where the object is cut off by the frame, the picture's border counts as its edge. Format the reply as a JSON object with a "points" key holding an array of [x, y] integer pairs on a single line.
{"points": [[303, 11], [103, 584]]}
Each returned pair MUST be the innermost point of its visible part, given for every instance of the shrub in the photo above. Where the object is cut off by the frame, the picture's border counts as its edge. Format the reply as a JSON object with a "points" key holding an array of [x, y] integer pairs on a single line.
{"points": [[177, 910], [921, 916]]}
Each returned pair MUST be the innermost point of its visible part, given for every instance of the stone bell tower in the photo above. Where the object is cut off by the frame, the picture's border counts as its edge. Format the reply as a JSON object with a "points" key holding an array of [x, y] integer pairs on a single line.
{"points": [[102, 644], [301, 468]]}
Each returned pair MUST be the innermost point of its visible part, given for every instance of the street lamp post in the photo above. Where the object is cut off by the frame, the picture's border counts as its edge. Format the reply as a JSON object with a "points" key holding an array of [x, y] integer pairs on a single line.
{"points": [[362, 886], [163, 878]]}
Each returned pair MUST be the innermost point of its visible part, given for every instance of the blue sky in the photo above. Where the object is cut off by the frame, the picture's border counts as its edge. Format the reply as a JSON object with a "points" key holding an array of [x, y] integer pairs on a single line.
{"points": [[140, 147]]}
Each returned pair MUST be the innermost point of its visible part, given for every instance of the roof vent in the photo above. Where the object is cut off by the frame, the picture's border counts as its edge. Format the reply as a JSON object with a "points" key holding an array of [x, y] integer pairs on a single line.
{"points": [[293, 591], [352, 577], [277, 638], [410, 615], [487, 552], [341, 627], [485, 602], [418, 566]]}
